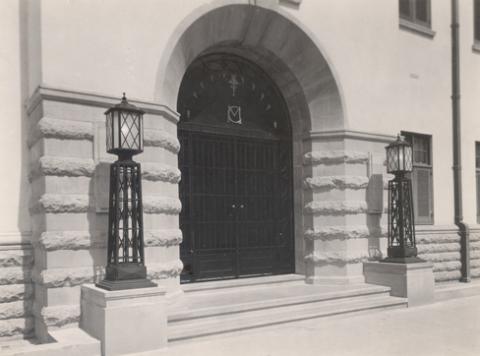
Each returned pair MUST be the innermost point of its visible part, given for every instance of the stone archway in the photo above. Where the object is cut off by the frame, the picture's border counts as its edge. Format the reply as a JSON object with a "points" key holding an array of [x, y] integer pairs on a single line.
{"points": [[273, 41]]}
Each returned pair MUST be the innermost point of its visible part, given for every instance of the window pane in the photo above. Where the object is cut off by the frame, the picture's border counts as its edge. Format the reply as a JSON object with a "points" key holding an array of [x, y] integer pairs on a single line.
{"points": [[477, 19], [422, 10], [477, 155], [478, 197], [405, 10], [421, 150]]}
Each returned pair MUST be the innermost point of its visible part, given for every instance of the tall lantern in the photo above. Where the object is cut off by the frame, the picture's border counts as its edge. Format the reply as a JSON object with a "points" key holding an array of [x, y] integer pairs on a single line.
{"points": [[401, 226], [125, 251]]}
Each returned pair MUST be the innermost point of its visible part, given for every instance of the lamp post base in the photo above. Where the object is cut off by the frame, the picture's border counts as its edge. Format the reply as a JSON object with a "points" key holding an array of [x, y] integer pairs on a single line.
{"points": [[125, 284], [125, 276], [414, 281], [125, 321]]}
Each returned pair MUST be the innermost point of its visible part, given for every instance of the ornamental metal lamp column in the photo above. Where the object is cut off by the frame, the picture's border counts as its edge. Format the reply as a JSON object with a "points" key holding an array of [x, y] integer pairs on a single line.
{"points": [[125, 251], [401, 226]]}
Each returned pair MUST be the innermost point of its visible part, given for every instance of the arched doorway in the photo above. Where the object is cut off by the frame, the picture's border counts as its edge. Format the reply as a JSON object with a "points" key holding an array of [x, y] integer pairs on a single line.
{"points": [[236, 164]]}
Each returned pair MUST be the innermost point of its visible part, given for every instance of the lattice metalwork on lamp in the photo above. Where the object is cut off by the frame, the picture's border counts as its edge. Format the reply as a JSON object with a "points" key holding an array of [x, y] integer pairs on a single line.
{"points": [[125, 251], [401, 225]]}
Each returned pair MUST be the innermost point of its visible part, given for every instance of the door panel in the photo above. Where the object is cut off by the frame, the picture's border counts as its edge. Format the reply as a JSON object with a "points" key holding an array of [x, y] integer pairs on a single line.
{"points": [[236, 164], [234, 220]]}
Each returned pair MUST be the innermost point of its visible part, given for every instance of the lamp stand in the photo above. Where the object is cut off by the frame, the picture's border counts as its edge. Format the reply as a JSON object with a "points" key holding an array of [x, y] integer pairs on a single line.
{"points": [[401, 232], [125, 256]]}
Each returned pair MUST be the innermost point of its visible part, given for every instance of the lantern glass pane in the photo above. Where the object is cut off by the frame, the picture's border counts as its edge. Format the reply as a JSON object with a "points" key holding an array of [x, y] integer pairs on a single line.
{"points": [[392, 159], [140, 120], [115, 130], [408, 159], [130, 131], [401, 158], [108, 129]]}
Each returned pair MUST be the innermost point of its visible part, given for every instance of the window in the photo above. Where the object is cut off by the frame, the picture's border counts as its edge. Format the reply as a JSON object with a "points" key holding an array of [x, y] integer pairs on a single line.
{"points": [[415, 15], [477, 174], [421, 177], [416, 11], [476, 21]]}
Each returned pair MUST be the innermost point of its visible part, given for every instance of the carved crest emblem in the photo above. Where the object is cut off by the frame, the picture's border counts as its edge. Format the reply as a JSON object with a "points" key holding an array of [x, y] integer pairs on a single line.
{"points": [[234, 114]]}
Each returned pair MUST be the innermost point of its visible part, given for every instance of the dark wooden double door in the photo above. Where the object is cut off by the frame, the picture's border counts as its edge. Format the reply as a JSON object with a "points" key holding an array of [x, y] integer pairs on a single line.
{"points": [[236, 198]]}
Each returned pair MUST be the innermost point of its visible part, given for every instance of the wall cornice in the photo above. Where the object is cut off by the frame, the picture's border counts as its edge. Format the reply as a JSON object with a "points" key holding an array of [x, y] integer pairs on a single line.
{"points": [[352, 134], [45, 92]]}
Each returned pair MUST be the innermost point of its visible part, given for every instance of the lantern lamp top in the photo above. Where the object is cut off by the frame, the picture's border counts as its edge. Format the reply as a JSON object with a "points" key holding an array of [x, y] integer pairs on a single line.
{"points": [[400, 141], [399, 156], [124, 105]]}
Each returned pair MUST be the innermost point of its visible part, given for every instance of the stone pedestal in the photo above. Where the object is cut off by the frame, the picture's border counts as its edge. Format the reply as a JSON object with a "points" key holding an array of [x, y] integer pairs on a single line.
{"points": [[125, 321], [413, 281]]}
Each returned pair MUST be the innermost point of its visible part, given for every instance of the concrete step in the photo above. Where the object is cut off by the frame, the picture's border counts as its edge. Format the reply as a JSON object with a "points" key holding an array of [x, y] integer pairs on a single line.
{"points": [[70, 341], [245, 300], [452, 290], [210, 325], [260, 282]]}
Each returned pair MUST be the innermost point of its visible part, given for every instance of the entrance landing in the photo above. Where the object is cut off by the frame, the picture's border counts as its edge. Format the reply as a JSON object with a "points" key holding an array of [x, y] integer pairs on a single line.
{"points": [[245, 306]]}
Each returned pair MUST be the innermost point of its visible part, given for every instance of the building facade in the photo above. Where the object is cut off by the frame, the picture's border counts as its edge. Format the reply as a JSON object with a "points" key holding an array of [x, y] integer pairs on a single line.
{"points": [[265, 131]]}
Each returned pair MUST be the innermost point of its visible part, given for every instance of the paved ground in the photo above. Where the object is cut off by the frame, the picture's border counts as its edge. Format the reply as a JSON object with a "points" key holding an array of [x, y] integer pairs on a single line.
{"points": [[445, 328]]}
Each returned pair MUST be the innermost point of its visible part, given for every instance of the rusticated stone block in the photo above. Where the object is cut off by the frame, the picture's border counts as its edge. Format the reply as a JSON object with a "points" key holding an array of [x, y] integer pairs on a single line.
{"points": [[63, 167], [71, 240], [171, 269], [13, 327], [58, 203], [438, 248], [161, 205], [158, 138], [14, 275], [16, 258], [14, 292], [337, 257], [343, 233], [58, 315], [336, 207], [61, 277], [441, 257], [160, 172], [63, 129], [336, 182], [334, 157], [17, 309], [167, 237]]}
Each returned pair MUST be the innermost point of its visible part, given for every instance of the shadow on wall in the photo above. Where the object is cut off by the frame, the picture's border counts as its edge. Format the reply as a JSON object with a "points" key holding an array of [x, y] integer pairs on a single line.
{"points": [[98, 218], [23, 211], [23, 214], [374, 198], [307, 197]]}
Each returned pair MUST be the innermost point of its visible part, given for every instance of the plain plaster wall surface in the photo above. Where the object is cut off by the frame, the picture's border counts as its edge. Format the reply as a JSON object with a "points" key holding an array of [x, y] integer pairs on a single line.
{"points": [[470, 109], [14, 186], [390, 79]]}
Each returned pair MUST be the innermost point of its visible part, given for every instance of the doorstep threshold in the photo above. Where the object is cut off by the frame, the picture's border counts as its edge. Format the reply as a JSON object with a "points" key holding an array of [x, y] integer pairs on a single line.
{"points": [[241, 282]]}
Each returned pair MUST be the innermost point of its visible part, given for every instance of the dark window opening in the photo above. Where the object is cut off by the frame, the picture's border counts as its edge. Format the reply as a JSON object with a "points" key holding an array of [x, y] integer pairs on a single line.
{"points": [[477, 176], [476, 19], [416, 11], [422, 182]]}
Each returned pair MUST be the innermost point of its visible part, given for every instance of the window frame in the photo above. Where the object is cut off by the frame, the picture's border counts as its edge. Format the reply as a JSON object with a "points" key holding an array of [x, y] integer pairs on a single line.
{"points": [[412, 23], [409, 137], [476, 26], [477, 177]]}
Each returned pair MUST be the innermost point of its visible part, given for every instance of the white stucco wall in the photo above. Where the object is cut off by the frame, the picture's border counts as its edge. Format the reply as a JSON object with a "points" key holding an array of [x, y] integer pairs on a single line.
{"points": [[390, 79], [470, 101], [14, 186]]}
